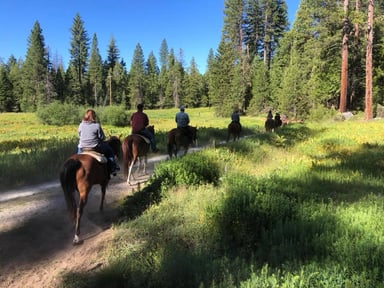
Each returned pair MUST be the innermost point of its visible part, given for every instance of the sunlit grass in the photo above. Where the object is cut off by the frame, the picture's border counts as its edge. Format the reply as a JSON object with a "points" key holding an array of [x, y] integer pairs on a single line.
{"points": [[301, 207], [300, 212]]}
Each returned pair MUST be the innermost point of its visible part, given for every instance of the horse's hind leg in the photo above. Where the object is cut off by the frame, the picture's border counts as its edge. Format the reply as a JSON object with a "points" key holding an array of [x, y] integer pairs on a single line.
{"points": [[82, 201], [130, 172], [103, 190]]}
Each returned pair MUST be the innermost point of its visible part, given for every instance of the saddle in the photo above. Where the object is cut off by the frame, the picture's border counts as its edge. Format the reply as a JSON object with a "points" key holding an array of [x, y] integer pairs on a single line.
{"points": [[144, 138], [96, 155]]}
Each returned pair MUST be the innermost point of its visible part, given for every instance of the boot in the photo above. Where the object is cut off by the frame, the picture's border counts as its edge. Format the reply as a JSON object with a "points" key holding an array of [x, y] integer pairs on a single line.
{"points": [[113, 166]]}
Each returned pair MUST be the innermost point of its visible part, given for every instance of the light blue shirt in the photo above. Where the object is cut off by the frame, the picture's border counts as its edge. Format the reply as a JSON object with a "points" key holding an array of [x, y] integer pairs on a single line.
{"points": [[182, 119]]}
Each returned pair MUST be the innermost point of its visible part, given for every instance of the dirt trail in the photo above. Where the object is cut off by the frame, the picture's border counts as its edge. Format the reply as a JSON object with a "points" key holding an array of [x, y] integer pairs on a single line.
{"points": [[36, 234]]}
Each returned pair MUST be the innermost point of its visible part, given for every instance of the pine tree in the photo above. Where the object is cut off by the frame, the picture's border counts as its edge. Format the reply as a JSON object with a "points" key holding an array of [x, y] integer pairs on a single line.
{"points": [[113, 54], [6, 98], [34, 70], [96, 71], [78, 61], [136, 77], [15, 76], [152, 72], [174, 91], [163, 77], [222, 72], [193, 87]]}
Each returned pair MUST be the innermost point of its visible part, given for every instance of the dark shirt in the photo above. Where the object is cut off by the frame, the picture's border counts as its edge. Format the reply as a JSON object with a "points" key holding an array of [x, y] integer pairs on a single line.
{"points": [[139, 121], [235, 117]]}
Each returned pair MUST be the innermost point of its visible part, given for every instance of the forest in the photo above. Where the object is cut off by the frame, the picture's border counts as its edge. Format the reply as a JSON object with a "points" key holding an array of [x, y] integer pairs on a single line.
{"points": [[330, 59]]}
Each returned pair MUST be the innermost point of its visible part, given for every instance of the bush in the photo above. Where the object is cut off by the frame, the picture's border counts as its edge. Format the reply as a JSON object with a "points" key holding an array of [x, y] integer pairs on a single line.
{"points": [[114, 115], [59, 114]]}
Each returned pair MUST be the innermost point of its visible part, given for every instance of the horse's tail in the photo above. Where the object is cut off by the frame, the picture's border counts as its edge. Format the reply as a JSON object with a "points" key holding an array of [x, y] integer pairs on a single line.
{"points": [[127, 154], [129, 150], [68, 184]]}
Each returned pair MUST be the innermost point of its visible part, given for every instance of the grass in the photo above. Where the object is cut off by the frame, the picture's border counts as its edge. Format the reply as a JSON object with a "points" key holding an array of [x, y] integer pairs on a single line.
{"points": [[303, 212], [25, 143], [302, 207]]}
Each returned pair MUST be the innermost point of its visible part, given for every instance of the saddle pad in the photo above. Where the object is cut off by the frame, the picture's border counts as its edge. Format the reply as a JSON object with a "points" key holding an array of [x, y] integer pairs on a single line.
{"points": [[145, 138], [98, 156]]}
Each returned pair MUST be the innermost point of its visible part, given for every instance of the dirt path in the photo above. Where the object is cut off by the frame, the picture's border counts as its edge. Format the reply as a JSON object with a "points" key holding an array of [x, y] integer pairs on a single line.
{"points": [[36, 234]]}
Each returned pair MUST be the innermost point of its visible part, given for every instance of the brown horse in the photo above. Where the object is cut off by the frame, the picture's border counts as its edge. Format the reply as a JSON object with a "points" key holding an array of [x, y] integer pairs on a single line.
{"points": [[135, 148], [178, 138], [234, 129], [79, 173]]}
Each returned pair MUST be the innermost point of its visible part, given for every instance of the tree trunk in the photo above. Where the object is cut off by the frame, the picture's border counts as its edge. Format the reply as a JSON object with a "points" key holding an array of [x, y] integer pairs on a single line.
{"points": [[344, 61], [368, 64], [355, 57]]}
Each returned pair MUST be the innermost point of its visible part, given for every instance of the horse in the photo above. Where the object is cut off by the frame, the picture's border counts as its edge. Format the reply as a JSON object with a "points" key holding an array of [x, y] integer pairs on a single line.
{"points": [[269, 125], [135, 148], [234, 129], [79, 173], [178, 138]]}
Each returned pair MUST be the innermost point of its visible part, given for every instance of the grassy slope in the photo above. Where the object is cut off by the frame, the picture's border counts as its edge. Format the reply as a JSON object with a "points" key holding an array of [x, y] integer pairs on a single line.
{"points": [[299, 208]]}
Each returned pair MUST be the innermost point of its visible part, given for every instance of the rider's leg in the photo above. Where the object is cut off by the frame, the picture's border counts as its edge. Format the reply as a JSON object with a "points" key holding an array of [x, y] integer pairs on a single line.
{"points": [[151, 138], [108, 152]]}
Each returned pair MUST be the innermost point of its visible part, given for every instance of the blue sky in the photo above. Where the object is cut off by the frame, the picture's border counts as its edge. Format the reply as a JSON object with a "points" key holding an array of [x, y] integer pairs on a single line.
{"points": [[191, 25]]}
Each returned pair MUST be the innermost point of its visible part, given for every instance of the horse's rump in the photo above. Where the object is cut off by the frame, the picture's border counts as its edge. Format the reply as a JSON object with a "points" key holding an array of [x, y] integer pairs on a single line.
{"points": [[179, 138], [134, 146], [234, 128]]}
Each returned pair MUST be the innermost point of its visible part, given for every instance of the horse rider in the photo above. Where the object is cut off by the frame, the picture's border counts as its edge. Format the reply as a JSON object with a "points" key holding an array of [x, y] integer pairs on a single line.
{"points": [[91, 137], [182, 121], [139, 122], [278, 121], [235, 117], [269, 116]]}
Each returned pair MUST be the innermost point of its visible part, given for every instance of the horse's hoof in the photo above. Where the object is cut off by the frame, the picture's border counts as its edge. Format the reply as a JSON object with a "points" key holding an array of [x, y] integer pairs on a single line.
{"points": [[77, 241]]}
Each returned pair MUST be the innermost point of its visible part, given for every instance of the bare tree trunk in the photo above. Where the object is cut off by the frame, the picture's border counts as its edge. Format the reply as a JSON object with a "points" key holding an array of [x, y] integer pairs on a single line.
{"points": [[344, 61], [355, 57], [368, 64]]}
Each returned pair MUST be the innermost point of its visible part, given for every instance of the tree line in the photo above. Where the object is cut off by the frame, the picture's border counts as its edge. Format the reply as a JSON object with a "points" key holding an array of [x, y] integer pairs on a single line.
{"points": [[261, 63]]}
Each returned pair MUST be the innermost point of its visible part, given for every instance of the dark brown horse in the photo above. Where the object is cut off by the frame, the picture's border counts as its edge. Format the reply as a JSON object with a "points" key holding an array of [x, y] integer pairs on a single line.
{"points": [[79, 173], [178, 138], [272, 124], [135, 148], [234, 129]]}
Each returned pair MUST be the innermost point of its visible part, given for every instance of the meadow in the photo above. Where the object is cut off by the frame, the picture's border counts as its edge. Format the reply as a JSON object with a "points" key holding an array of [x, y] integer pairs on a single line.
{"points": [[301, 207], [32, 153]]}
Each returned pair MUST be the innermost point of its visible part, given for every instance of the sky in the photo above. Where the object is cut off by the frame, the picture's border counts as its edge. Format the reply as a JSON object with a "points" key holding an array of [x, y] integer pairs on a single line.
{"points": [[191, 26]]}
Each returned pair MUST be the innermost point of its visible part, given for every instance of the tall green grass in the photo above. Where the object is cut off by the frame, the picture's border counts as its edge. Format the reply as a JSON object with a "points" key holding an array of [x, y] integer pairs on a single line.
{"points": [[302, 207], [299, 208], [32, 152]]}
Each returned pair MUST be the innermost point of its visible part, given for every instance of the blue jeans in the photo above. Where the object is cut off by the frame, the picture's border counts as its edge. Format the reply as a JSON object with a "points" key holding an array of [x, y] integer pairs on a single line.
{"points": [[150, 136]]}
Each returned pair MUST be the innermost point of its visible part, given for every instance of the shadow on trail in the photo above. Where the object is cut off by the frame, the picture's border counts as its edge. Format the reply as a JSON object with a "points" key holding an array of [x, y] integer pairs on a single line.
{"points": [[39, 227]]}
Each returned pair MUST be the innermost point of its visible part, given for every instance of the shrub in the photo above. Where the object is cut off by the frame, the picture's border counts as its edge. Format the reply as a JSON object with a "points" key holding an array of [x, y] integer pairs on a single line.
{"points": [[114, 115], [59, 114]]}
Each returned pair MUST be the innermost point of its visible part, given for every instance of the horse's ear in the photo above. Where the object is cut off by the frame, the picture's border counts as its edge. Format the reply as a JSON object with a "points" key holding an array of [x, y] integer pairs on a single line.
{"points": [[121, 135]]}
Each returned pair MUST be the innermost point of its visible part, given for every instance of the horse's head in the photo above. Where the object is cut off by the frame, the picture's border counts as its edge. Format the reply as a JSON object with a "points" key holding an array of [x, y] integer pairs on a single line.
{"points": [[193, 131], [115, 143], [151, 128]]}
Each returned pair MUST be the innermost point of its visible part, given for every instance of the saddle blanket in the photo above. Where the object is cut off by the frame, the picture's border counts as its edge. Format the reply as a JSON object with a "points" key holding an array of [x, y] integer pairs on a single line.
{"points": [[98, 156]]}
